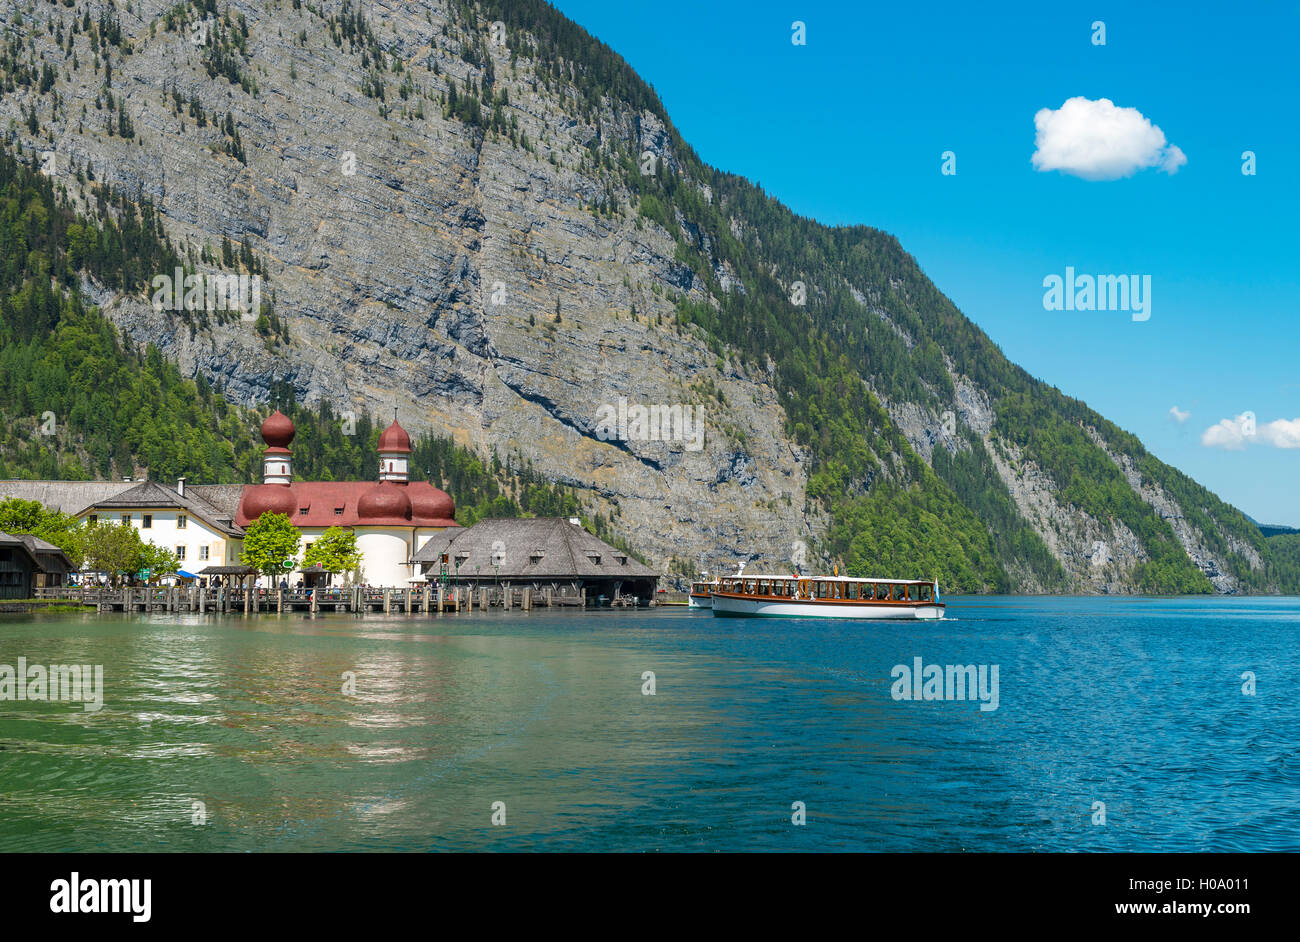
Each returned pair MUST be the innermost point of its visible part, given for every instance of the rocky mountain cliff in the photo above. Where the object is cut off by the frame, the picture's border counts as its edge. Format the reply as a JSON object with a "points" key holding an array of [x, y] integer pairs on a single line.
{"points": [[479, 214]]}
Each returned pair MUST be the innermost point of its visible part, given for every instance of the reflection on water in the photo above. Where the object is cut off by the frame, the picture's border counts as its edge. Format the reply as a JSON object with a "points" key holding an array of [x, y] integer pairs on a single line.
{"points": [[1132, 702]]}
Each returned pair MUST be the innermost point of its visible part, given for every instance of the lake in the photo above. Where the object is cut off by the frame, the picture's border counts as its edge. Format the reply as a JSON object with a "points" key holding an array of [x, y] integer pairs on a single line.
{"points": [[236, 734]]}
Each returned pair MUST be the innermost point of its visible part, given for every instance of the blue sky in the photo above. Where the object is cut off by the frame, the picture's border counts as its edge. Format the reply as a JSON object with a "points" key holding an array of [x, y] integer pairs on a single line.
{"points": [[850, 128]]}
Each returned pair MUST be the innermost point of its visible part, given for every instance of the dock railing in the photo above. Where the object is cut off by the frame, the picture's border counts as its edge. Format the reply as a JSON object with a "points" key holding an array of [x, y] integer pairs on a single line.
{"points": [[421, 598]]}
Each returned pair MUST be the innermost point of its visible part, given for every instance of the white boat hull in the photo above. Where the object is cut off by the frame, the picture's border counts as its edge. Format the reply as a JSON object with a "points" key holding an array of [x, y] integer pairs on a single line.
{"points": [[923, 611], [705, 601]]}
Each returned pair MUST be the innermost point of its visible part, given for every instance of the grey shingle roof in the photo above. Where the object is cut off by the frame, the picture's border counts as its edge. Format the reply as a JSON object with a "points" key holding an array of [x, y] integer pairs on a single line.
{"points": [[224, 497], [64, 496], [209, 503], [46, 556], [51, 558], [153, 494], [532, 548]]}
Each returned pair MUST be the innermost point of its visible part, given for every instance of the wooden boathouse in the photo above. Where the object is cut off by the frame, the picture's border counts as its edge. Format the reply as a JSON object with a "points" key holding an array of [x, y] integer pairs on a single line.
{"points": [[543, 554]]}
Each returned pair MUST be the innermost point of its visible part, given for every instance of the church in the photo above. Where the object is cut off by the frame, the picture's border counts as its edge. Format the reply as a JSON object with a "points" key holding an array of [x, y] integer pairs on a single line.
{"points": [[203, 524], [392, 517]]}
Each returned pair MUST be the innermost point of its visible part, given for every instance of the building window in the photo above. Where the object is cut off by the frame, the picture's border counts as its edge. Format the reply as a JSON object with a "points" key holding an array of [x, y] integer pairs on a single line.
{"points": [[92, 519], [203, 552], [180, 552], [338, 511], [146, 521], [181, 521], [126, 519]]}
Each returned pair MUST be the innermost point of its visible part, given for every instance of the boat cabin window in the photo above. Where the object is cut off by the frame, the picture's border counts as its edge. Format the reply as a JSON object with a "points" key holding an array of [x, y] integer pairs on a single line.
{"points": [[925, 593], [852, 590], [822, 589], [749, 586], [900, 592]]}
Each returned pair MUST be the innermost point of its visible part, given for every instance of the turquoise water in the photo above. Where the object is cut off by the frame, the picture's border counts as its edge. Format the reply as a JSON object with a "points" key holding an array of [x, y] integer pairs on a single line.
{"points": [[1136, 703]]}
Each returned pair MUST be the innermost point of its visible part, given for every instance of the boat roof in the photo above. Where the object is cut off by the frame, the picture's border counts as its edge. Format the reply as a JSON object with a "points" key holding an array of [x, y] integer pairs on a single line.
{"points": [[788, 575]]}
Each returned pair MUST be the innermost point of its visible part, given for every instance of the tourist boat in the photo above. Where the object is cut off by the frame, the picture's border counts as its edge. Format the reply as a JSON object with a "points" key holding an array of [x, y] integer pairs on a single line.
{"points": [[826, 597], [701, 594]]}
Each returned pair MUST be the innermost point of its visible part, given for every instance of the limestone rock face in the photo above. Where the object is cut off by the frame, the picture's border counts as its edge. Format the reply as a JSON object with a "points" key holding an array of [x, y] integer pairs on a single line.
{"points": [[419, 262]]}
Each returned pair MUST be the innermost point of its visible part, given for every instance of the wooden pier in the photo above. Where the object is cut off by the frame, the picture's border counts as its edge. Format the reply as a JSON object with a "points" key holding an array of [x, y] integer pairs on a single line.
{"points": [[416, 600]]}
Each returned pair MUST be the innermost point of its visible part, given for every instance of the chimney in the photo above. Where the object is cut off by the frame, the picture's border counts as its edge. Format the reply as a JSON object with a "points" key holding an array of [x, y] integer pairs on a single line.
{"points": [[180, 486]]}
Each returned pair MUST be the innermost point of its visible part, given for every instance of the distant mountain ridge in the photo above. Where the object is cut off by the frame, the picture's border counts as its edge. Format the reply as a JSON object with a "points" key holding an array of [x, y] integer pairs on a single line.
{"points": [[1273, 529], [480, 213]]}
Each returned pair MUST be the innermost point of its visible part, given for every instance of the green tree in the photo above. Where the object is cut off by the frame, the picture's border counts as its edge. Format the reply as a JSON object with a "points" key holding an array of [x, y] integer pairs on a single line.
{"points": [[114, 549], [31, 516], [270, 541], [157, 559], [334, 551]]}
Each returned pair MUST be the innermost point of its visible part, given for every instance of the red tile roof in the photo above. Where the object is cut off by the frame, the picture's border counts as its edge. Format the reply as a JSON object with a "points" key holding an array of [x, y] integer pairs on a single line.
{"points": [[430, 507]]}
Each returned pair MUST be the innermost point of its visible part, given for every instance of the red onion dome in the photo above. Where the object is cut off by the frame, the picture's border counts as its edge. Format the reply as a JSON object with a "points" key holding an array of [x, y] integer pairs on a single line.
{"points": [[388, 499], [267, 498], [429, 503], [278, 430], [395, 439]]}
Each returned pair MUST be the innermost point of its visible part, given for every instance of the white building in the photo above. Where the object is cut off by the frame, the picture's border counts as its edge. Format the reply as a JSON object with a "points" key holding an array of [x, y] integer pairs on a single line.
{"points": [[191, 522], [392, 517]]}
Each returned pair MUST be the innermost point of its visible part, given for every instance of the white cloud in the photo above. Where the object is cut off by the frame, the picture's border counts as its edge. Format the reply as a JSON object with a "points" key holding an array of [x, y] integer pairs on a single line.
{"points": [[1281, 433], [1096, 140], [1178, 415], [1228, 434], [1235, 434]]}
